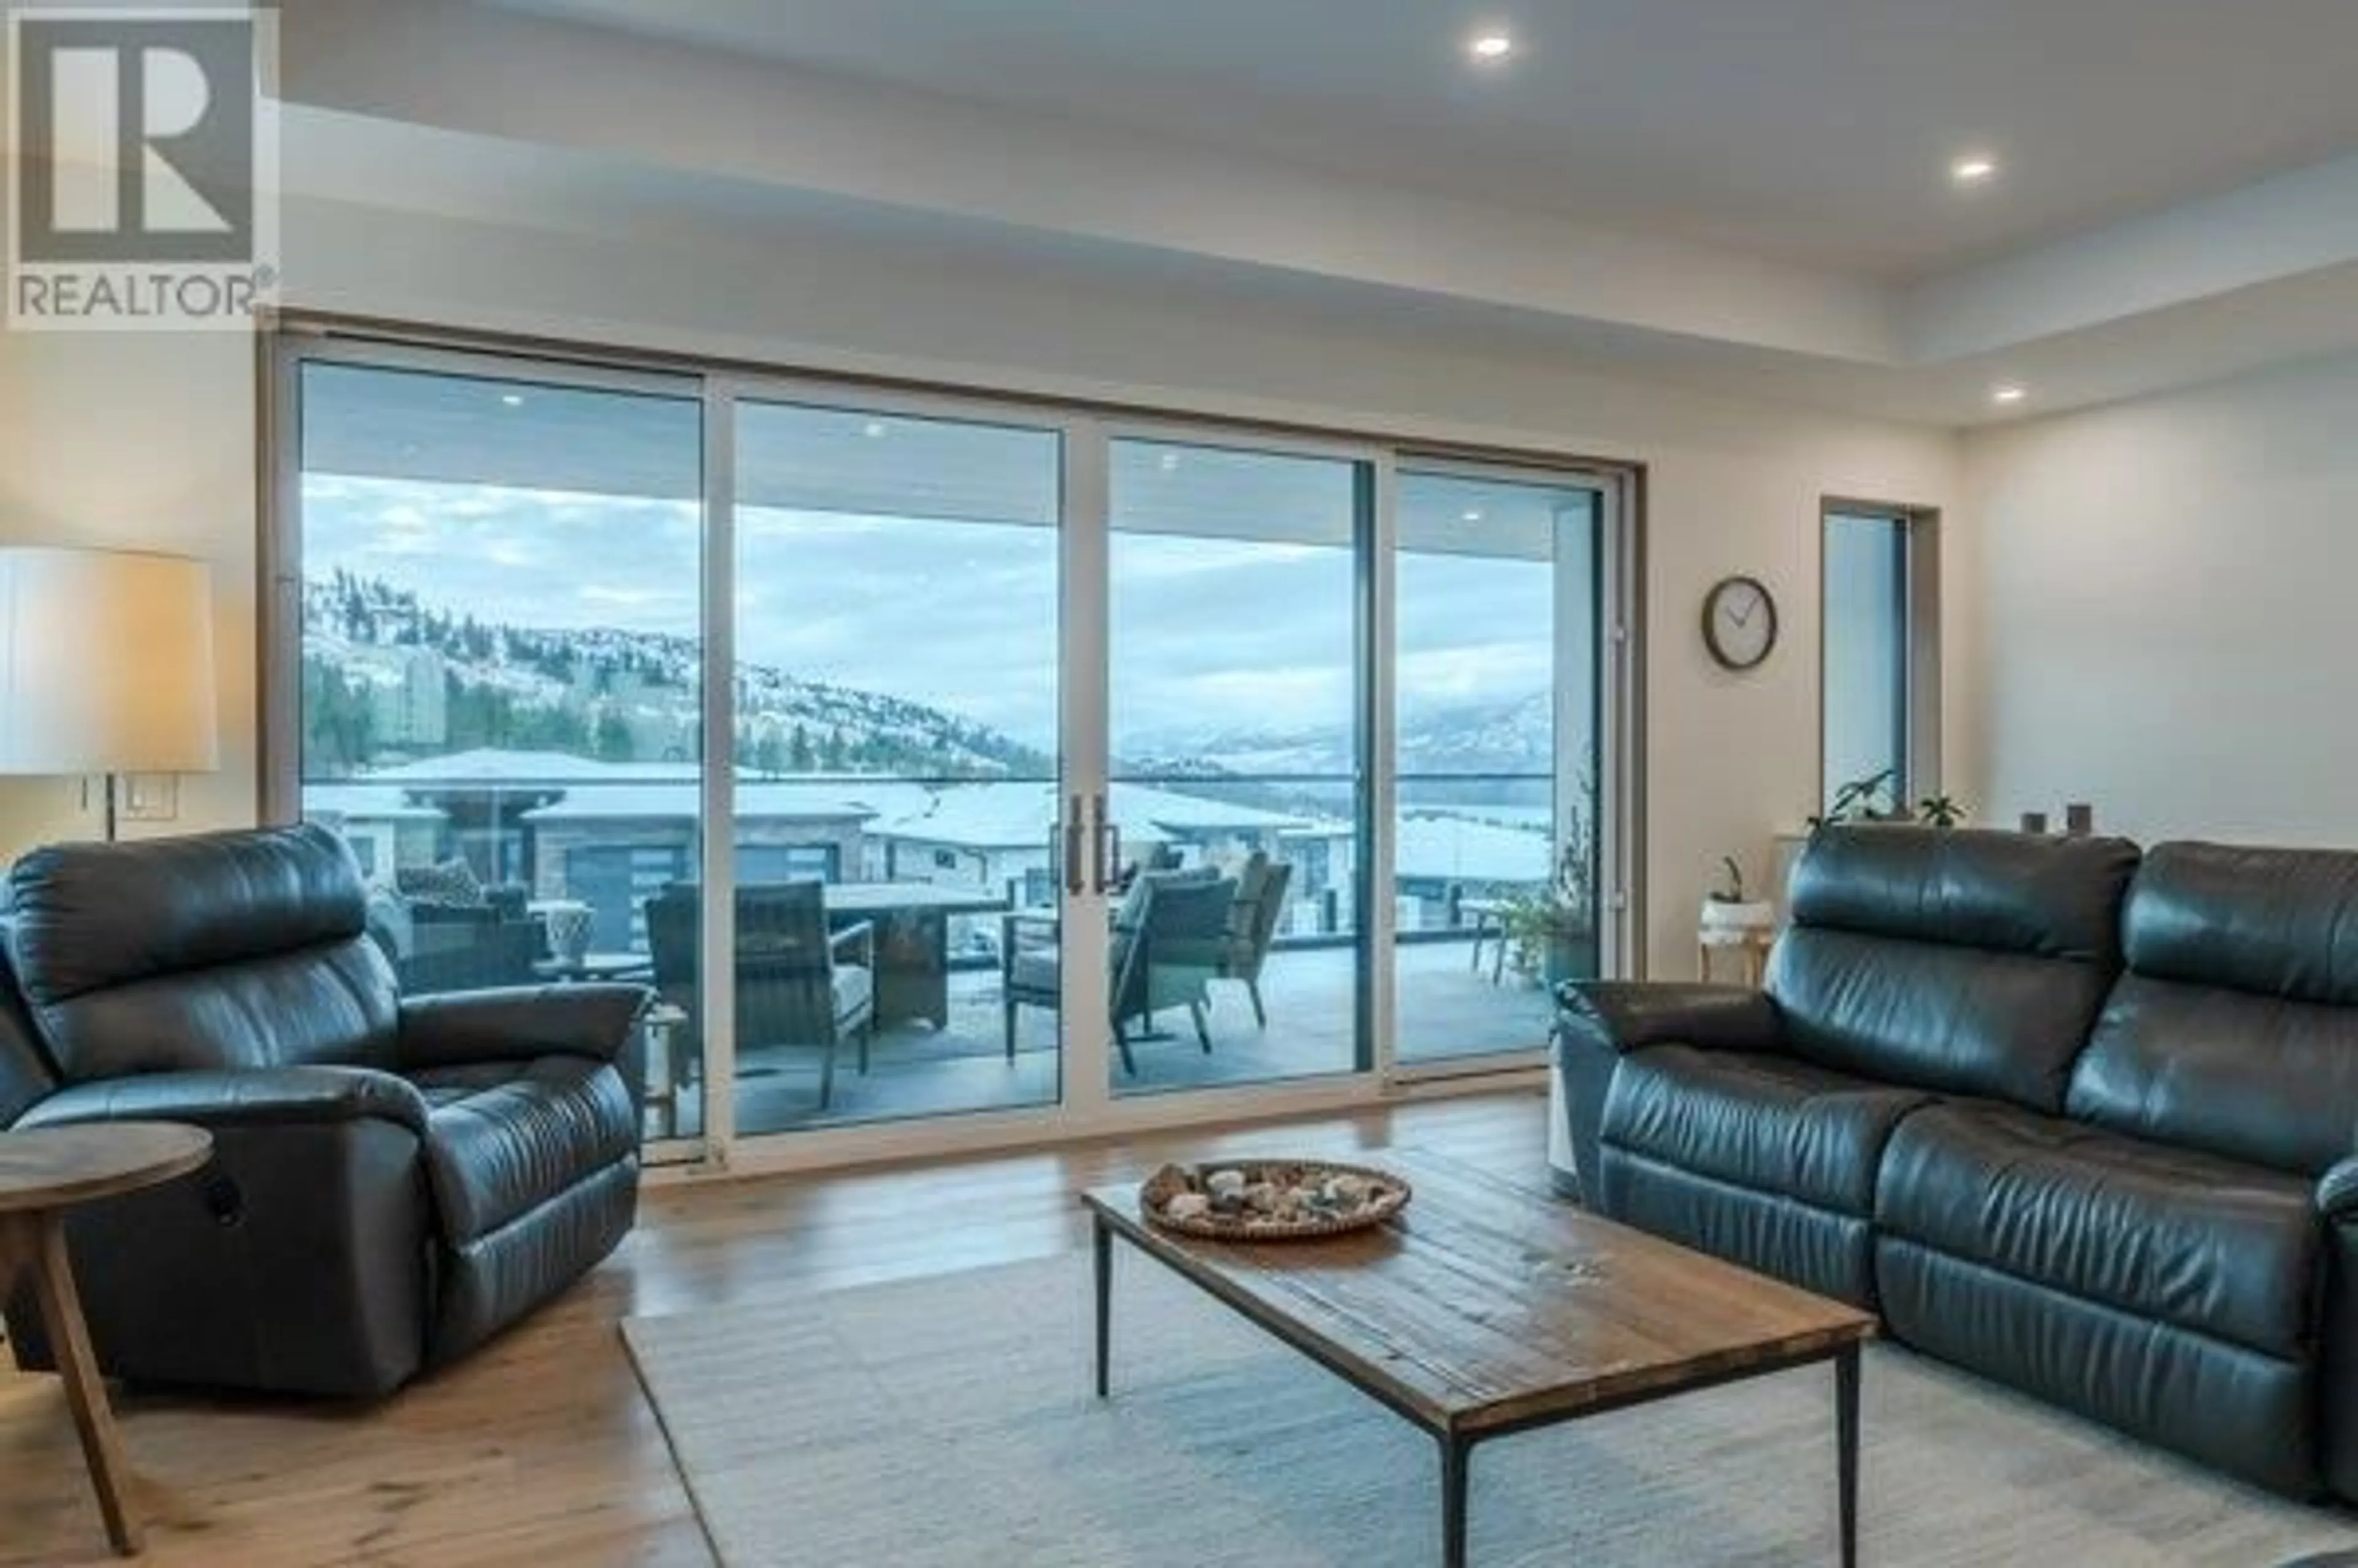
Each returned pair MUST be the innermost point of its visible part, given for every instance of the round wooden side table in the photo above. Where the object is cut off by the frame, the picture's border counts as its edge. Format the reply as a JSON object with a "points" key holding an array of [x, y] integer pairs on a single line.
{"points": [[45, 1174]]}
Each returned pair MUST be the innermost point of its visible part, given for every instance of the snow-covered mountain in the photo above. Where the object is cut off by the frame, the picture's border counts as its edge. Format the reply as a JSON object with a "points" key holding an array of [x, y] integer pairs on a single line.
{"points": [[1483, 737], [388, 676]]}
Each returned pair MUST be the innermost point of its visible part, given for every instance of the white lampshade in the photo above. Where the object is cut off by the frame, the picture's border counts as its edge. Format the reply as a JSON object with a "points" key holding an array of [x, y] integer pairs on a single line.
{"points": [[107, 663]]}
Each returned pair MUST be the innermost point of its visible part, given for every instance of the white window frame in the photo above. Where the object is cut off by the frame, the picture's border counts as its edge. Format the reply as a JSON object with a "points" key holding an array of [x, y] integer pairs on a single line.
{"points": [[1919, 639]]}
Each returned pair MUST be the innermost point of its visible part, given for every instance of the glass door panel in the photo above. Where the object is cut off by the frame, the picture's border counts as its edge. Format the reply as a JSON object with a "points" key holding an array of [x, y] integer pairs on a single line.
{"points": [[501, 678], [1497, 593], [1236, 747], [897, 779]]}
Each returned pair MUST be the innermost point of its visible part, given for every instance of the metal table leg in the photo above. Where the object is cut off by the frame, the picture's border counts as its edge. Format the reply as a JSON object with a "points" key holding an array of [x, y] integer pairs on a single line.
{"points": [[1456, 1454], [1847, 1450], [1102, 1247]]}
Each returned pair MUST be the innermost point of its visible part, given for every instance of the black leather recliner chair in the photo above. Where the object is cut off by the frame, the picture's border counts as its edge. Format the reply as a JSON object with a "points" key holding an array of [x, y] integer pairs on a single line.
{"points": [[394, 1181], [2083, 1123]]}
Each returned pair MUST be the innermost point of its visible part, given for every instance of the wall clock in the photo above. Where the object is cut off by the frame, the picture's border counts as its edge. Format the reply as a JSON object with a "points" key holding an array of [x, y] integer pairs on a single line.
{"points": [[1739, 622]]}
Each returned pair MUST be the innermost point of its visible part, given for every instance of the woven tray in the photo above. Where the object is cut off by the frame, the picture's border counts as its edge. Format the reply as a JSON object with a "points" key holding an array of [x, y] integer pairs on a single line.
{"points": [[1270, 1200]]}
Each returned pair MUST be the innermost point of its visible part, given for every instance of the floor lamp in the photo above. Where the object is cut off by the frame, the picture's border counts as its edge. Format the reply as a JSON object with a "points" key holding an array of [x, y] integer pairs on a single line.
{"points": [[106, 664]]}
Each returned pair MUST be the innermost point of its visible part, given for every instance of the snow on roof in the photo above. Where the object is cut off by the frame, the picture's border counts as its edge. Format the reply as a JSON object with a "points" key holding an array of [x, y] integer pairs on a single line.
{"points": [[366, 802], [1180, 813], [812, 800], [1458, 849], [986, 814], [998, 815], [494, 765]]}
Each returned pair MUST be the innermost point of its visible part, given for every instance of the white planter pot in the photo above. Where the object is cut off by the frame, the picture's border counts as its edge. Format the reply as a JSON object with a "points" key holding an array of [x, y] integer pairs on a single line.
{"points": [[1754, 914]]}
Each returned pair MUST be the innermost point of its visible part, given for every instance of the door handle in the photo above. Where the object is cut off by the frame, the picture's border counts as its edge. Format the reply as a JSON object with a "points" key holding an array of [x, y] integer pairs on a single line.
{"points": [[1072, 836], [1097, 841]]}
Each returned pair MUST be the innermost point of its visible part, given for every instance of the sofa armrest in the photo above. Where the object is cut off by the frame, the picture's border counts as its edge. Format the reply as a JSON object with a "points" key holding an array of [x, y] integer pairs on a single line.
{"points": [[2337, 1190], [296, 1262], [239, 1098], [859, 935], [2337, 1329], [517, 1023], [1629, 1015]]}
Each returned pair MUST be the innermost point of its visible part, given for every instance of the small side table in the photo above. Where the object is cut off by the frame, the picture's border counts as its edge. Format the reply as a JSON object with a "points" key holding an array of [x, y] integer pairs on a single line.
{"points": [[44, 1175], [1752, 944], [660, 1024]]}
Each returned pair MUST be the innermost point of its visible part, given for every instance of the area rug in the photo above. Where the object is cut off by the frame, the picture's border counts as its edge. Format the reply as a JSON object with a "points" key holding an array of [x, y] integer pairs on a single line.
{"points": [[947, 1423]]}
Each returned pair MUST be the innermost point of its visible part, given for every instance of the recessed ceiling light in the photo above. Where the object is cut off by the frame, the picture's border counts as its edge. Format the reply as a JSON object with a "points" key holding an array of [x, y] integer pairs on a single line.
{"points": [[1491, 48], [512, 399], [1473, 517], [1973, 168], [874, 430], [2007, 394], [1168, 462]]}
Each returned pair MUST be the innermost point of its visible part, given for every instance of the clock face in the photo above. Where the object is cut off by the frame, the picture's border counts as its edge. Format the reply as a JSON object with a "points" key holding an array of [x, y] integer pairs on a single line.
{"points": [[1739, 622]]}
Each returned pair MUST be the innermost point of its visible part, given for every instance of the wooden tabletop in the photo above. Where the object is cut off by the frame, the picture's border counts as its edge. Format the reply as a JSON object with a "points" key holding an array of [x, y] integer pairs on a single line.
{"points": [[886, 898], [55, 1167], [1486, 1304], [595, 966]]}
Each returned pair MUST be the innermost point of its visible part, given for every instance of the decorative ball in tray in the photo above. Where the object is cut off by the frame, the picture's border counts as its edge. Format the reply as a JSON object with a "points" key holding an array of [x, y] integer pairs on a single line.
{"points": [[1270, 1200]]}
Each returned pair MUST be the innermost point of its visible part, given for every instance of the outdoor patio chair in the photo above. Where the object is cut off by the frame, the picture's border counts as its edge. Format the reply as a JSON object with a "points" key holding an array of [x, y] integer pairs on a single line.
{"points": [[1252, 925], [1169, 932], [455, 956], [798, 983]]}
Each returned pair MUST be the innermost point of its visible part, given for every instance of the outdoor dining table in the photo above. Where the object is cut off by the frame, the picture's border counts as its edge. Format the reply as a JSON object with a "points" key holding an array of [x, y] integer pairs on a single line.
{"points": [[596, 966], [911, 940]]}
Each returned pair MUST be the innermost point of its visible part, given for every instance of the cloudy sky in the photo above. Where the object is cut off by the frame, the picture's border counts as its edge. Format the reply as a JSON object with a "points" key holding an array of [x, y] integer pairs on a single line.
{"points": [[1210, 635]]}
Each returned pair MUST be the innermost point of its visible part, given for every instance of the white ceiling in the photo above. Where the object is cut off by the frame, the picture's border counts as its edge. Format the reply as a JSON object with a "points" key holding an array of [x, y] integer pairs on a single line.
{"points": [[1749, 195], [515, 431], [1813, 131]]}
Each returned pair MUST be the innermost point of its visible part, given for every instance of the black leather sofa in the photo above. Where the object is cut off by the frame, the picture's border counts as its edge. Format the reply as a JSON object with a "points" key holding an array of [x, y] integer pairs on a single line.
{"points": [[395, 1179], [2080, 1120]]}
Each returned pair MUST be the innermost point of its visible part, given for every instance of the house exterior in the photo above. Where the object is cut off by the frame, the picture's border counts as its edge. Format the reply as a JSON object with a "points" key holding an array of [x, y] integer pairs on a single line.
{"points": [[613, 834], [383, 826]]}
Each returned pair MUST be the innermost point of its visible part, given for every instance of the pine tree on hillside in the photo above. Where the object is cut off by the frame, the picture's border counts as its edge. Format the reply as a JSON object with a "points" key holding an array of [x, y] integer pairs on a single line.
{"points": [[525, 688]]}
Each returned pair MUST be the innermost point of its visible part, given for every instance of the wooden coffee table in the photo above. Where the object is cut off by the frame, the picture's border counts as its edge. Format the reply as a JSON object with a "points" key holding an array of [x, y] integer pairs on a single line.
{"points": [[43, 1174], [1486, 1308]]}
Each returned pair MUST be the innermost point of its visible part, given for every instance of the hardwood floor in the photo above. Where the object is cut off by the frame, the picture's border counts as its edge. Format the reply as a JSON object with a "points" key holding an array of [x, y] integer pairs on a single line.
{"points": [[540, 1449]]}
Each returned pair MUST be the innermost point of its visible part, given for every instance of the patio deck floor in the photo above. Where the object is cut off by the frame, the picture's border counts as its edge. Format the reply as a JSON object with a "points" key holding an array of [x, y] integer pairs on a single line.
{"points": [[1448, 1008]]}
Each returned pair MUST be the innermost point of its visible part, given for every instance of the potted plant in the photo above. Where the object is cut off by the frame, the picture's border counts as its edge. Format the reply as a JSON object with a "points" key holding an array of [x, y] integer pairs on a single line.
{"points": [[1724, 908], [1550, 932], [1939, 811], [1871, 799], [1858, 800]]}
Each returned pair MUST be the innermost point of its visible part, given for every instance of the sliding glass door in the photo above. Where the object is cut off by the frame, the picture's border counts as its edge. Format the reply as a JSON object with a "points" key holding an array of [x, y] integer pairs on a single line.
{"points": [[934, 757], [1236, 748], [500, 670], [1496, 753], [896, 736]]}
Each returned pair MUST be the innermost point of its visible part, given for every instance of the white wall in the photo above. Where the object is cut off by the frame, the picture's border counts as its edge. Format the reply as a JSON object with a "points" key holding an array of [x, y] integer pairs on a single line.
{"points": [[130, 439], [1733, 486], [2167, 599]]}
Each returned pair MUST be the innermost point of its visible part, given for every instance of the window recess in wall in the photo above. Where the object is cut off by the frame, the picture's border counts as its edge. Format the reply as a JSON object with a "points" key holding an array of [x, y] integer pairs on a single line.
{"points": [[1880, 671]]}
